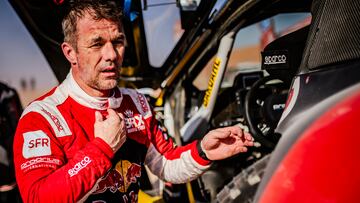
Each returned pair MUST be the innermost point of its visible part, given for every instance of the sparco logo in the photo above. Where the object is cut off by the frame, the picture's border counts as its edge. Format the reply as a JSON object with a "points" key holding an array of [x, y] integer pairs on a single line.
{"points": [[278, 107], [80, 165], [276, 59]]}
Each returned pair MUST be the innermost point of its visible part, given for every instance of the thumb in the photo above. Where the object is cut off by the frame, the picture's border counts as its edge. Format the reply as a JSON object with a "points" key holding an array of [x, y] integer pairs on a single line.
{"points": [[98, 117], [121, 116], [111, 112]]}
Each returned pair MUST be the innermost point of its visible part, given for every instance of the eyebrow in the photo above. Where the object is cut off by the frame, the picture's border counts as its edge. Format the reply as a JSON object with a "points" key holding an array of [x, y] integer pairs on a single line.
{"points": [[96, 39], [120, 37], [100, 39]]}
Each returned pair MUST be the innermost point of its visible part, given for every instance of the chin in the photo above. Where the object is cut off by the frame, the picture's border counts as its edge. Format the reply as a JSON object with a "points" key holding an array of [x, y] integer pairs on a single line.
{"points": [[108, 85]]}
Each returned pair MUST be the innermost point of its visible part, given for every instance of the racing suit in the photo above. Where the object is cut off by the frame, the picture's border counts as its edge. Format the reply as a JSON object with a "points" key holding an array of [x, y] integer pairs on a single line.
{"points": [[57, 158]]}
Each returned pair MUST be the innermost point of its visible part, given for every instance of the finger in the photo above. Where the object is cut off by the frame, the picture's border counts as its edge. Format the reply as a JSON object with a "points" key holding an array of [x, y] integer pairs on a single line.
{"points": [[123, 137], [248, 137], [98, 117], [242, 149], [244, 141], [122, 120], [111, 112], [227, 131], [121, 116], [230, 128], [220, 134], [234, 130], [249, 143]]}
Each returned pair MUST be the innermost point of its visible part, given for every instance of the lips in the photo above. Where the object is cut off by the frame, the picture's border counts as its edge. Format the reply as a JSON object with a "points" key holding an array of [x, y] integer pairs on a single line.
{"points": [[109, 71], [109, 74]]}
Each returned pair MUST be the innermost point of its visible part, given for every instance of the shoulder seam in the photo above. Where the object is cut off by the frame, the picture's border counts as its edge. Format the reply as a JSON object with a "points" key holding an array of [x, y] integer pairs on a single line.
{"points": [[48, 109]]}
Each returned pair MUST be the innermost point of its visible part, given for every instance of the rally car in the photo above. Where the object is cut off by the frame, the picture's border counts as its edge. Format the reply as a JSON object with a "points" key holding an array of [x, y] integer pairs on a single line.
{"points": [[300, 99]]}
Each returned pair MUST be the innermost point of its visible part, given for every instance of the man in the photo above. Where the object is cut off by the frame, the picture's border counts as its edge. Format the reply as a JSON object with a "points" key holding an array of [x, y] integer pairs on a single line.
{"points": [[87, 139]]}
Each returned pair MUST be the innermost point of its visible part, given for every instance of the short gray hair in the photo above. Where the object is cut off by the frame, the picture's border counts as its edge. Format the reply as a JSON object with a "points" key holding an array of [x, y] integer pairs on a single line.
{"points": [[98, 9]]}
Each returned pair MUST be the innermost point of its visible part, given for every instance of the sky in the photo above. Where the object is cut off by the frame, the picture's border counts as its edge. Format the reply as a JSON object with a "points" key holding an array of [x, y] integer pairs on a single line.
{"points": [[159, 32], [159, 27], [20, 57]]}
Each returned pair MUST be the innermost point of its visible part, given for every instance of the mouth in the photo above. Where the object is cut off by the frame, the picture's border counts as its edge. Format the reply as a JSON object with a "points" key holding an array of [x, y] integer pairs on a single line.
{"points": [[109, 72], [108, 69]]}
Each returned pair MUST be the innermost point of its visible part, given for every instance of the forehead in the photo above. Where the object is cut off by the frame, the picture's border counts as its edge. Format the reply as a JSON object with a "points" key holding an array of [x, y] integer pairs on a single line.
{"points": [[87, 26]]}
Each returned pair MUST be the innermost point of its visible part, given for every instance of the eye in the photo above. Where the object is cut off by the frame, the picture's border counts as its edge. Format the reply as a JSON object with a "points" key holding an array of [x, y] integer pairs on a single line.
{"points": [[119, 42], [96, 45]]}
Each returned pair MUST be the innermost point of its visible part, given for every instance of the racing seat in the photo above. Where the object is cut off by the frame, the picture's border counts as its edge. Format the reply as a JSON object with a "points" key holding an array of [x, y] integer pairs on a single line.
{"points": [[292, 46], [324, 107], [281, 59]]}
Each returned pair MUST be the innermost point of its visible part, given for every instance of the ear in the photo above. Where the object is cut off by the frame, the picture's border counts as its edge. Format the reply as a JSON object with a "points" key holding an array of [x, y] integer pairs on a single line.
{"points": [[69, 52]]}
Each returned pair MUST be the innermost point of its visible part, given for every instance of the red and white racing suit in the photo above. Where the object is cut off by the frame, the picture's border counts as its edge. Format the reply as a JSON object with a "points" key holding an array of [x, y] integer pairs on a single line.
{"points": [[57, 158]]}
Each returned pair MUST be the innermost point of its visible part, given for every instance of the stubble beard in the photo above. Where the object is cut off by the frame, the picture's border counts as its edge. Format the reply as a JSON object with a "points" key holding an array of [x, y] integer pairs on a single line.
{"points": [[98, 81], [105, 84]]}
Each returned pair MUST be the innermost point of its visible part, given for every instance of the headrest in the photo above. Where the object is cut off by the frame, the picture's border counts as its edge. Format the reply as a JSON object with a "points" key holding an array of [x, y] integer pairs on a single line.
{"points": [[282, 57]]}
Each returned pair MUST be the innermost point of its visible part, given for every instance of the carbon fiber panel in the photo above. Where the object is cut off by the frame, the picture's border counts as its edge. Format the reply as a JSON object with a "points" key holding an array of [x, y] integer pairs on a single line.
{"points": [[334, 35]]}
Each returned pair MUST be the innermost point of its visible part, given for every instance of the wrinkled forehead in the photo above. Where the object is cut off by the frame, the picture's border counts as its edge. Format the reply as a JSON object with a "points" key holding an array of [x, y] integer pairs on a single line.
{"points": [[92, 15], [90, 31], [89, 23]]}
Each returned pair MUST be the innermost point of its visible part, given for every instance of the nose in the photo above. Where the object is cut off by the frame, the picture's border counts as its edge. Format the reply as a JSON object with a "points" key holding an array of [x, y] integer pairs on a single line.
{"points": [[109, 52]]}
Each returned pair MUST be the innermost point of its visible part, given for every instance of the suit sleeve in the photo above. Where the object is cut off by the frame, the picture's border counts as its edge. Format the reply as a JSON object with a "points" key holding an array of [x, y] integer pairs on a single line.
{"points": [[43, 172], [170, 162]]}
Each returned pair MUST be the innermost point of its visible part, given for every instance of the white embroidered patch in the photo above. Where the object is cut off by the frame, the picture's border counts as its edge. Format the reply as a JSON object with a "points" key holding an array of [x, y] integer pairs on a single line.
{"points": [[133, 122], [36, 144], [79, 166], [39, 162]]}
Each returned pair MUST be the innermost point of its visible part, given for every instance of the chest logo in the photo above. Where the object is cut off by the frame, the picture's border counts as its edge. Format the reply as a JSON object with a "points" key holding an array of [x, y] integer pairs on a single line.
{"points": [[133, 122], [120, 178]]}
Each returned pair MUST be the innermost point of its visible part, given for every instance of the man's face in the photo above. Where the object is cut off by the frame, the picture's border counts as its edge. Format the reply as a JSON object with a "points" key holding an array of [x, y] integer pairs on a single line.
{"points": [[99, 55]]}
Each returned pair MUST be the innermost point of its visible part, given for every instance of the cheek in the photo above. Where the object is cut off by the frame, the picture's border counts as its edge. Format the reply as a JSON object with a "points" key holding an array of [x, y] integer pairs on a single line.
{"points": [[88, 62], [87, 70]]}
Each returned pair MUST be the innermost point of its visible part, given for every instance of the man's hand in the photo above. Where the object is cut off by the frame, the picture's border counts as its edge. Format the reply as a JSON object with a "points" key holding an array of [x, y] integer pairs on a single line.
{"points": [[222, 143], [111, 130]]}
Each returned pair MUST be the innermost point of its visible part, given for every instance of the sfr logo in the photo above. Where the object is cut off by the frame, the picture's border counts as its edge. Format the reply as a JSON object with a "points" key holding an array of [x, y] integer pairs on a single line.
{"points": [[36, 143], [43, 142]]}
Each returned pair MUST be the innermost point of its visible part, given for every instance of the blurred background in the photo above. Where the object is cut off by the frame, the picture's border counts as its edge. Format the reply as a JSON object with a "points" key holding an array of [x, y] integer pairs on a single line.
{"points": [[24, 67]]}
